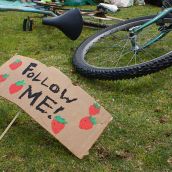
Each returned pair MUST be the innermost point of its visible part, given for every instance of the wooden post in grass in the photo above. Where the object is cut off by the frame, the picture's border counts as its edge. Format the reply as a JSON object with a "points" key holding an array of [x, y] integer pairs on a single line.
{"points": [[9, 126]]}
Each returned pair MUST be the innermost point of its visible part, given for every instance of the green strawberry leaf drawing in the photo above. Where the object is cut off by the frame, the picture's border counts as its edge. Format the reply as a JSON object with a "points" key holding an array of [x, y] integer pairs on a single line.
{"points": [[93, 120], [60, 119], [97, 105], [5, 75], [17, 61], [20, 83]]}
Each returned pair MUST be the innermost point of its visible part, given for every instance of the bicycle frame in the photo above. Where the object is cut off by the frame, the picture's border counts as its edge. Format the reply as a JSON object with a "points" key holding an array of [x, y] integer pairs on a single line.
{"points": [[27, 9], [135, 30]]}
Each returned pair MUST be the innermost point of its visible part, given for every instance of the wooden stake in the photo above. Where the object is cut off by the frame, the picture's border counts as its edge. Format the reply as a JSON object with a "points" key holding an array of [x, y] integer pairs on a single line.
{"points": [[9, 126]]}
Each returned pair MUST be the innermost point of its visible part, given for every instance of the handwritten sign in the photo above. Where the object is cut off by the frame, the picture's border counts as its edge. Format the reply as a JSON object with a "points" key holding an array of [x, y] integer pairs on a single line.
{"points": [[48, 96]]}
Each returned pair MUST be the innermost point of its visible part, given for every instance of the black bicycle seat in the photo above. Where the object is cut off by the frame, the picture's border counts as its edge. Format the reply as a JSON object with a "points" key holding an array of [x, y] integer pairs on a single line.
{"points": [[70, 23]]}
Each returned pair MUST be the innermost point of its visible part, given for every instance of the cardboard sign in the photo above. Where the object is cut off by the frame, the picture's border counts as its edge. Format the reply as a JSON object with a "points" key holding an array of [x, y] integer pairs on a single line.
{"points": [[48, 96]]}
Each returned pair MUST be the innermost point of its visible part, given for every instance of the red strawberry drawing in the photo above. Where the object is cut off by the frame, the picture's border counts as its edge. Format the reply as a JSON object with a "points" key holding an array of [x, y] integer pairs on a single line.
{"points": [[94, 109], [14, 88], [17, 63], [3, 77], [87, 123], [57, 124]]}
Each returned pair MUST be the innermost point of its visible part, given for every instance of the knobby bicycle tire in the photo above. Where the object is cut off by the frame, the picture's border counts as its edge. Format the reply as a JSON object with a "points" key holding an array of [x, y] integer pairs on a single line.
{"points": [[119, 73]]}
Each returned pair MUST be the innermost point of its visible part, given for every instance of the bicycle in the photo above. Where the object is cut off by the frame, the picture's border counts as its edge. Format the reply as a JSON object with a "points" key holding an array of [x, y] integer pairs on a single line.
{"points": [[130, 49], [91, 18]]}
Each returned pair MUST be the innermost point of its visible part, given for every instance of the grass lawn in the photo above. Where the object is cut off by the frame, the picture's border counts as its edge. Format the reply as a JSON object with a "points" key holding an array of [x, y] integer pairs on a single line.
{"points": [[138, 139]]}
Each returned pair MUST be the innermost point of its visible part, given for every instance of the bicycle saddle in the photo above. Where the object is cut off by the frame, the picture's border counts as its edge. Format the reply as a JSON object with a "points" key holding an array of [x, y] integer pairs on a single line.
{"points": [[70, 23]]}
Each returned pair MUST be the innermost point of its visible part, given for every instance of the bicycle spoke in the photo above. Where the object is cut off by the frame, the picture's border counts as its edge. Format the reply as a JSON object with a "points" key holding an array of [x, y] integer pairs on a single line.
{"points": [[120, 56]]}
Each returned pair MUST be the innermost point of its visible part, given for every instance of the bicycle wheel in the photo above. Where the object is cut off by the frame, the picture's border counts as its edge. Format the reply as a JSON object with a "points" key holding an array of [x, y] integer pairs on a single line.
{"points": [[167, 3], [108, 54]]}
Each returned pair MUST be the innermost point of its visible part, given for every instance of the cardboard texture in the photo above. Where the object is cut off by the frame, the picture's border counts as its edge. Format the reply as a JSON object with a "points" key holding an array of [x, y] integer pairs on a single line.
{"points": [[48, 96]]}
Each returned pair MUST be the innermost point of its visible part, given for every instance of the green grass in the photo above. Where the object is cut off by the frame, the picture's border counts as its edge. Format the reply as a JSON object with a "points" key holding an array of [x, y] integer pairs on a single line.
{"points": [[138, 139]]}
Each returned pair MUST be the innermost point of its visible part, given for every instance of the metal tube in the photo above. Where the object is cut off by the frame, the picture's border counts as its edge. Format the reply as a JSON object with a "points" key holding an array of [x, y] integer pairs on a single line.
{"points": [[159, 16]]}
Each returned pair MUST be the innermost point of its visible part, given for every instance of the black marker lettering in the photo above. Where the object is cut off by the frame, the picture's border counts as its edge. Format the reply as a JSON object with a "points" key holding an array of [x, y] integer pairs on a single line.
{"points": [[43, 82], [29, 68], [36, 77], [66, 98], [54, 88], [44, 102], [61, 108], [30, 75], [35, 96]]}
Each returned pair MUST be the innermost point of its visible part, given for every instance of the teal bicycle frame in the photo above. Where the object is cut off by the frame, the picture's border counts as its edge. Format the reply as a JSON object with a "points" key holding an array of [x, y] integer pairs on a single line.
{"points": [[27, 9], [135, 30]]}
